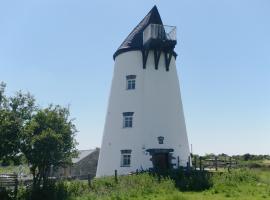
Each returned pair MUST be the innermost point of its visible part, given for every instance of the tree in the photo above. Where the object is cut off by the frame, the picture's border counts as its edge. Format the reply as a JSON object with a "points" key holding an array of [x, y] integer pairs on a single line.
{"points": [[14, 113], [48, 140]]}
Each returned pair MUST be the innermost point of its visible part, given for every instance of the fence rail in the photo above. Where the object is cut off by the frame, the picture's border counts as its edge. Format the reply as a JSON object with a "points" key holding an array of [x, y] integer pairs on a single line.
{"points": [[9, 181], [214, 163]]}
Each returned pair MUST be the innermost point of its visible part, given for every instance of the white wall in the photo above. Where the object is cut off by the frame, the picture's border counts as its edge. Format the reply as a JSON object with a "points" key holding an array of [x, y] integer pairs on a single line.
{"points": [[157, 107]]}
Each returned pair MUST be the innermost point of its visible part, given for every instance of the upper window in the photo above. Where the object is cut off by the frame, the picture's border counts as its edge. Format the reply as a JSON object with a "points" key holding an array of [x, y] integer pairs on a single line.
{"points": [[127, 119], [131, 82], [125, 158]]}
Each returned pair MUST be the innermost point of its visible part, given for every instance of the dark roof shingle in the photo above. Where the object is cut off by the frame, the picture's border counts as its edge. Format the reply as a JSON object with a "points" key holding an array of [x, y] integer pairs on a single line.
{"points": [[134, 41]]}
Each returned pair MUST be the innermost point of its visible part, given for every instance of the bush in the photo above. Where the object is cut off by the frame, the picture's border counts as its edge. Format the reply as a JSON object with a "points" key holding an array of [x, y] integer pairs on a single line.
{"points": [[5, 194], [53, 191], [191, 180], [229, 182]]}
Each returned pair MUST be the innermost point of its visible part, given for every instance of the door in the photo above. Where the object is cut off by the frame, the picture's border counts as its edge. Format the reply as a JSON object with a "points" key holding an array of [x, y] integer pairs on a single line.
{"points": [[160, 161]]}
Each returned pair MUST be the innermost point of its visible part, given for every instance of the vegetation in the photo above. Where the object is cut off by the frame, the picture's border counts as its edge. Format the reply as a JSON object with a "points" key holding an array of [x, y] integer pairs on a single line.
{"points": [[241, 184], [15, 112], [48, 140], [41, 137]]}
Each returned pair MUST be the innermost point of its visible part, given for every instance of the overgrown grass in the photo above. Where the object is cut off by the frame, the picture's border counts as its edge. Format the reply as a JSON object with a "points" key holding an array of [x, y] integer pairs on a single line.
{"points": [[242, 184], [143, 186]]}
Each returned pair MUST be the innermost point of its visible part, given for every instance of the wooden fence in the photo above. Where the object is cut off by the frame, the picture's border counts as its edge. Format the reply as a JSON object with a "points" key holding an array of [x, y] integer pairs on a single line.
{"points": [[9, 181], [213, 163]]}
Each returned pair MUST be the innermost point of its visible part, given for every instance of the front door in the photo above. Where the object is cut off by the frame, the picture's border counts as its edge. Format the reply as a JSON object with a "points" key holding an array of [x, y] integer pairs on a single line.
{"points": [[160, 161]]}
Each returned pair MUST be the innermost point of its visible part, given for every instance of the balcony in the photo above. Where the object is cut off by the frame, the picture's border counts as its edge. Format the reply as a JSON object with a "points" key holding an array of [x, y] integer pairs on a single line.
{"points": [[160, 36]]}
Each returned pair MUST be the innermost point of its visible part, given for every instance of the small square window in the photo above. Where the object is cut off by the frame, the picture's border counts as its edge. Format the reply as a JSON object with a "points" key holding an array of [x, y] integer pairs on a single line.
{"points": [[160, 139]]}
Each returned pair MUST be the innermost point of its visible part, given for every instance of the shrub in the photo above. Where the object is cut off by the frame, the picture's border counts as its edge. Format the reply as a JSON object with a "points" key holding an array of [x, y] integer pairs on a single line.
{"points": [[191, 180], [5, 194], [229, 182]]}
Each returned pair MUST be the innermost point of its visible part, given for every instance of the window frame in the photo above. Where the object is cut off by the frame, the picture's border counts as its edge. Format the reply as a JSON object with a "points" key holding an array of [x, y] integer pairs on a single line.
{"points": [[126, 158], [130, 82], [128, 119]]}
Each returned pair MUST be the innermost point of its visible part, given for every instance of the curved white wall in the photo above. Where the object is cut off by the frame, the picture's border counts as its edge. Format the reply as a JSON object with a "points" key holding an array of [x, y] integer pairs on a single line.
{"points": [[157, 106]]}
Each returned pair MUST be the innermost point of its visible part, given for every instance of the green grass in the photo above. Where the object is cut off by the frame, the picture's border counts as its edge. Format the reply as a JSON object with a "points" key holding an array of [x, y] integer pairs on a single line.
{"points": [[238, 185], [241, 184]]}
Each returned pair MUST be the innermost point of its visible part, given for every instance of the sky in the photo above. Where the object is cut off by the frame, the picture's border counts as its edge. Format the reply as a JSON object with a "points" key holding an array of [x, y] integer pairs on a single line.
{"points": [[61, 52]]}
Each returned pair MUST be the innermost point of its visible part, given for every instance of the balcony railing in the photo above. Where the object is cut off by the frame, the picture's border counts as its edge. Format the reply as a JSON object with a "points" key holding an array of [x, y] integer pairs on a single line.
{"points": [[159, 32]]}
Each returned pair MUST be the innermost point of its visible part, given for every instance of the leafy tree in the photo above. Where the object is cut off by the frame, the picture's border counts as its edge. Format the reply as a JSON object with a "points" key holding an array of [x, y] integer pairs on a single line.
{"points": [[14, 113], [48, 141]]}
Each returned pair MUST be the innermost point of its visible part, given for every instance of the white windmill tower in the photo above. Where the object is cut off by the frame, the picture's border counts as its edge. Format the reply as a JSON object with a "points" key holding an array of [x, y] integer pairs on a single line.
{"points": [[145, 125]]}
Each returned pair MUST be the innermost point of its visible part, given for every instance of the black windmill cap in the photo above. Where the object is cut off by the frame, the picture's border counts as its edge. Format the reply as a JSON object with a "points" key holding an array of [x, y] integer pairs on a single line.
{"points": [[134, 40]]}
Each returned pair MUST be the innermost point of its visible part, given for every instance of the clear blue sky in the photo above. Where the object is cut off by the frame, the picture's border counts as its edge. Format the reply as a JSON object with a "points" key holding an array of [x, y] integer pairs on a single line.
{"points": [[61, 51]]}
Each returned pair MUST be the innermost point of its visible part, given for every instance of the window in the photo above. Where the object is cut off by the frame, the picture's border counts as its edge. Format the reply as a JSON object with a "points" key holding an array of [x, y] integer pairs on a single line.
{"points": [[125, 158], [131, 82], [127, 119], [160, 139]]}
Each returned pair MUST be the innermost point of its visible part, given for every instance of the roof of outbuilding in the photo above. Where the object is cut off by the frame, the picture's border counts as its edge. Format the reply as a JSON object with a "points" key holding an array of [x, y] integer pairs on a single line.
{"points": [[134, 41], [82, 154]]}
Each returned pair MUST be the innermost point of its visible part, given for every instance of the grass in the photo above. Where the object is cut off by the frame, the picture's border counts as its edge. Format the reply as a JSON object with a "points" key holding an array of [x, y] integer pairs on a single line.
{"points": [[237, 185], [240, 184]]}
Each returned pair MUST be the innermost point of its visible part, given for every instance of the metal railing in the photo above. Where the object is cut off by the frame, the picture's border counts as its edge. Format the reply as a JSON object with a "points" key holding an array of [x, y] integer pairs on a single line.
{"points": [[161, 32]]}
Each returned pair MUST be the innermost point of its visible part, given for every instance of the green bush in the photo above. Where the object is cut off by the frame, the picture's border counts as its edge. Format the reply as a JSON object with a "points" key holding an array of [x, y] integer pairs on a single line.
{"points": [[230, 182], [5, 194], [53, 191], [190, 180]]}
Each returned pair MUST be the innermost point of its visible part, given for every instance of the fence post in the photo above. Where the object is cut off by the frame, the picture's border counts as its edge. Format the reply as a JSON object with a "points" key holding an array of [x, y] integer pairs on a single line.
{"points": [[115, 176], [200, 163], [230, 165], [216, 163], [16, 186], [89, 180], [189, 162], [195, 163], [178, 162]]}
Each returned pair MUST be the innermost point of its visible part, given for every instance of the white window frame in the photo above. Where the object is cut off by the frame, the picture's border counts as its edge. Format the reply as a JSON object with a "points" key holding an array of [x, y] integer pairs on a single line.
{"points": [[131, 82], [128, 119], [125, 158]]}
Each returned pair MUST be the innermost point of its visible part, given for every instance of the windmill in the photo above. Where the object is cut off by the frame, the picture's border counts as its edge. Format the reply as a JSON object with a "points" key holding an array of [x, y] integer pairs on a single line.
{"points": [[145, 125]]}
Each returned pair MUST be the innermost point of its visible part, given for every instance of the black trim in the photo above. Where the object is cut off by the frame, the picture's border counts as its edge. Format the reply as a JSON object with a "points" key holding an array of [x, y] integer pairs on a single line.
{"points": [[168, 59], [128, 77], [145, 54], [126, 151], [153, 151], [128, 114], [135, 49], [157, 54]]}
